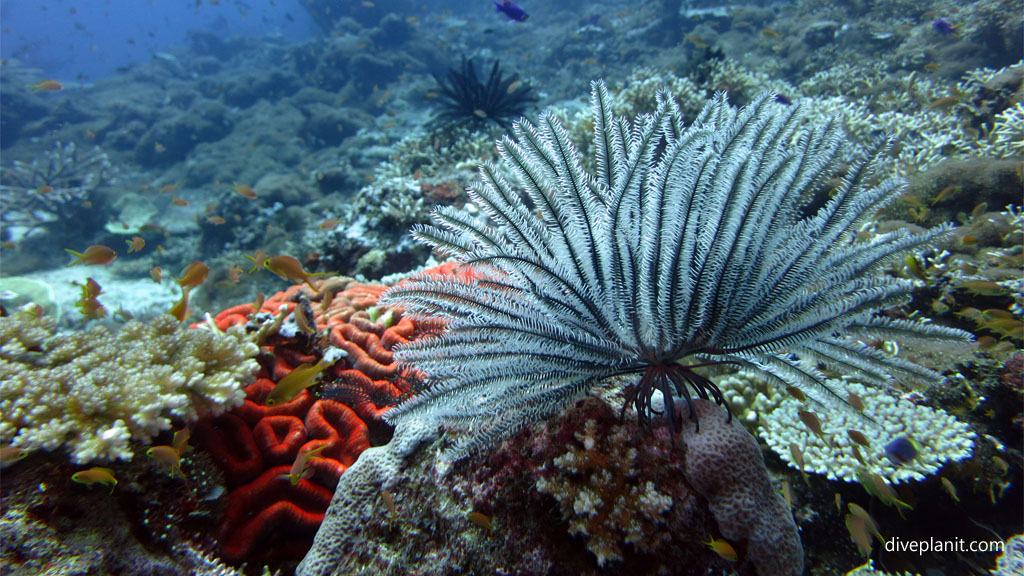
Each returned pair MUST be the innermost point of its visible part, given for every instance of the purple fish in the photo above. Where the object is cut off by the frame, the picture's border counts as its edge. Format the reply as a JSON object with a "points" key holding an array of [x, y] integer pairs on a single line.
{"points": [[512, 10], [944, 28]]}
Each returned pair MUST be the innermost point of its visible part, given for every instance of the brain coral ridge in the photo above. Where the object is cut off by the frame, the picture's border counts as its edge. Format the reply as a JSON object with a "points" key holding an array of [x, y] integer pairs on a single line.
{"points": [[93, 392]]}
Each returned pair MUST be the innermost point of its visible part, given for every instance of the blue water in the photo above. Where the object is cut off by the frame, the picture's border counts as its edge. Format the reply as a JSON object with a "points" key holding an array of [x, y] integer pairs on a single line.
{"points": [[82, 40]]}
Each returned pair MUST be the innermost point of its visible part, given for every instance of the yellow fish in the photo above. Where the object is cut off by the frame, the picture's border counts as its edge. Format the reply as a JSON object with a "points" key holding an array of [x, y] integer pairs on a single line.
{"points": [[296, 381], [723, 549], [193, 275], [300, 468], [167, 457], [96, 475]]}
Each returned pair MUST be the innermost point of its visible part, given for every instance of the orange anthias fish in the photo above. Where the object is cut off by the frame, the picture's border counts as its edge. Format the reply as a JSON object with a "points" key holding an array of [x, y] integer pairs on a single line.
{"points": [[289, 268], [245, 191], [258, 258], [136, 244], [180, 309], [96, 475], [47, 86], [722, 548], [88, 305], [194, 275], [94, 255], [169, 458]]}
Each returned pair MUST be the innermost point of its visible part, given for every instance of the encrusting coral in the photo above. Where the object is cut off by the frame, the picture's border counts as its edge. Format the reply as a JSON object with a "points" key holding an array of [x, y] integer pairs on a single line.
{"points": [[94, 392]]}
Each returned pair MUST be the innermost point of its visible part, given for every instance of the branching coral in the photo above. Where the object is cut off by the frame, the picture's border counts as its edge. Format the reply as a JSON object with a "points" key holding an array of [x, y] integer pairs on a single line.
{"points": [[93, 392], [50, 189]]}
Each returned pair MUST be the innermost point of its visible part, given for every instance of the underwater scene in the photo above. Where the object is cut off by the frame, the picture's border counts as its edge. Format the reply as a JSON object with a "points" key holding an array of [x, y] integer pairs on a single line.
{"points": [[495, 287]]}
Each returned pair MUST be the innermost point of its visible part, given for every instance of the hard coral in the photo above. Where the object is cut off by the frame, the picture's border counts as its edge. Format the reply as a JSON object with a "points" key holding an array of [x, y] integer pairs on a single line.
{"points": [[54, 189], [724, 465], [93, 392], [255, 445]]}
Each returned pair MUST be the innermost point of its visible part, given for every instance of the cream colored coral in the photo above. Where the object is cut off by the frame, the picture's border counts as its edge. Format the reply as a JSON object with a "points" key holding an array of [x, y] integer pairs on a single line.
{"points": [[93, 392], [942, 437]]}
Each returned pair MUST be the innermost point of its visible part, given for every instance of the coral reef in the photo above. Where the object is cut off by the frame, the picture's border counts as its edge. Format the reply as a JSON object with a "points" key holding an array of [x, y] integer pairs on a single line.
{"points": [[942, 437], [93, 392], [578, 494], [255, 445], [724, 465], [54, 190]]}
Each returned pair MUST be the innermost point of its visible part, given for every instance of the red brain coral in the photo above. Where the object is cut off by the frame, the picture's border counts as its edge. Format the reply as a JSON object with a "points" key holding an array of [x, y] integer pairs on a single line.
{"points": [[255, 445]]}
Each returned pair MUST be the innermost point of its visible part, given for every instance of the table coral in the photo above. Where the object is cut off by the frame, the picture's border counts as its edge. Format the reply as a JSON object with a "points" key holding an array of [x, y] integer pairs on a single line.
{"points": [[93, 392], [942, 437]]}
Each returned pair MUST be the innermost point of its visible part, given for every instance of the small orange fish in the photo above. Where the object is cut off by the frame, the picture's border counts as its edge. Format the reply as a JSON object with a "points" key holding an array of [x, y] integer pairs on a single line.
{"points": [[245, 191], [234, 274], [301, 468], [480, 519], [90, 134], [216, 220], [157, 274], [180, 441], [389, 501], [9, 456], [722, 548], [329, 224], [856, 402], [179, 201], [136, 244], [168, 188], [168, 458], [159, 147], [95, 255], [193, 275], [97, 475], [289, 268], [480, 113], [810, 419], [47, 86], [44, 189], [180, 309], [858, 530], [859, 437], [258, 258], [796, 393]]}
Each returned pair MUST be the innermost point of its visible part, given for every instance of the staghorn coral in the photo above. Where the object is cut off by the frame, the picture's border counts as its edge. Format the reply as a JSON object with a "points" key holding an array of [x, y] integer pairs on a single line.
{"points": [[93, 392]]}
